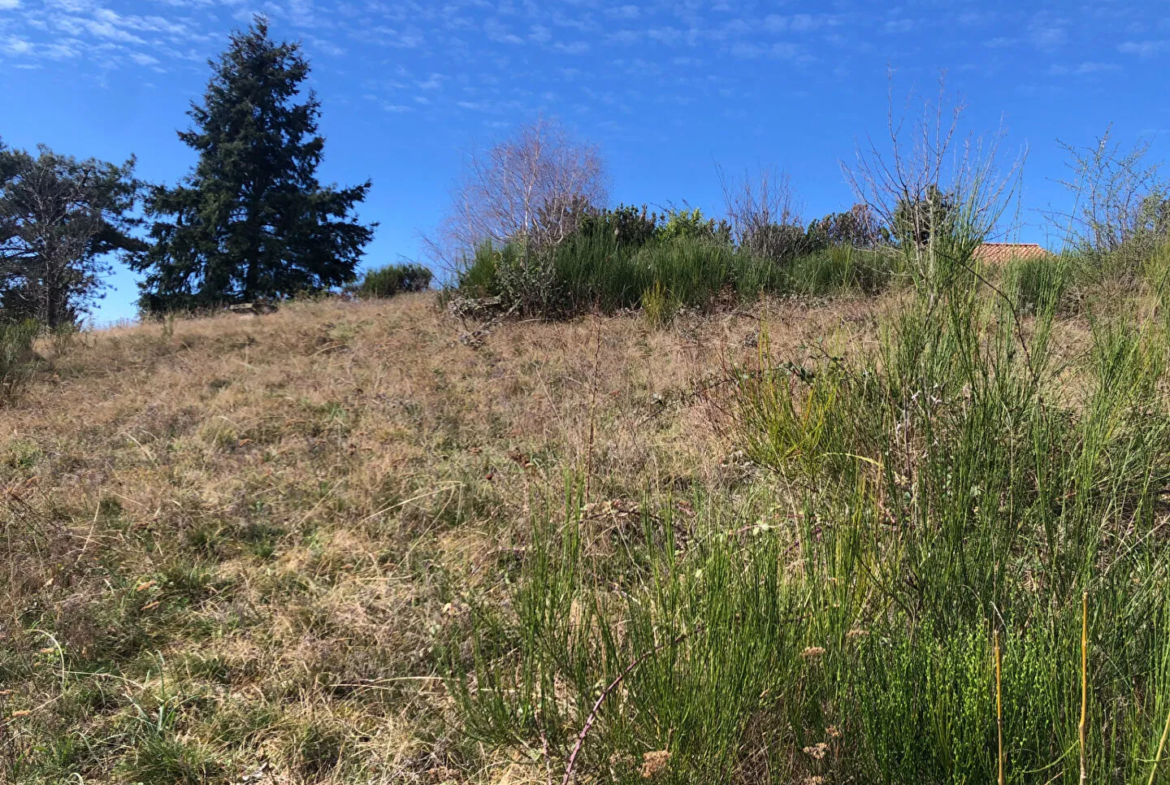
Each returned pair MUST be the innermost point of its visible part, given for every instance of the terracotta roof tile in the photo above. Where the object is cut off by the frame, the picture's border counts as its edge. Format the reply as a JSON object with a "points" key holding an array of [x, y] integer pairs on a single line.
{"points": [[996, 253]]}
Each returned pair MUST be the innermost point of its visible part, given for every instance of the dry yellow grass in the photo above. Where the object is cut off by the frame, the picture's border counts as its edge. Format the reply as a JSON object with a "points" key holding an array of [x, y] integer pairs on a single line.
{"points": [[236, 549]]}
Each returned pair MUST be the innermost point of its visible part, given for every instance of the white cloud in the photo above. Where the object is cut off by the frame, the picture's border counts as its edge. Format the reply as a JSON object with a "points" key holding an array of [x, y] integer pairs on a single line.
{"points": [[143, 59], [15, 46], [781, 51], [1085, 68], [1144, 48], [61, 50], [802, 22], [1001, 42], [325, 45], [797, 23], [152, 24], [665, 35], [624, 37], [787, 51], [624, 12], [9, 5], [497, 32], [575, 48], [747, 51], [1047, 34]]}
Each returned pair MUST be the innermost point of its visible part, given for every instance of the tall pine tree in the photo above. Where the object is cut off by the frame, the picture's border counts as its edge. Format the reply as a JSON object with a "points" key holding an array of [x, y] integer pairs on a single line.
{"points": [[60, 221], [251, 221]]}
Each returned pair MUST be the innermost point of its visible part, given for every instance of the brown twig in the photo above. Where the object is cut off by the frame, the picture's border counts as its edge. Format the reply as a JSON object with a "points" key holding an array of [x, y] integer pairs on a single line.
{"points": [[613, 685]]}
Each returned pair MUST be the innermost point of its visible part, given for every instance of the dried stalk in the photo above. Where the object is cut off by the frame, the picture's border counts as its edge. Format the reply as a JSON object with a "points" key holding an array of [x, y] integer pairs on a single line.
{"points": [[613, 685]]}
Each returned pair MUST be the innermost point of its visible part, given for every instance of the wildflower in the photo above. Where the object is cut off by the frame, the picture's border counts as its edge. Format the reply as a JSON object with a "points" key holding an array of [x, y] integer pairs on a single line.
{"points": [[654, 762], [817, 751], [812, 652], [833, 732]]}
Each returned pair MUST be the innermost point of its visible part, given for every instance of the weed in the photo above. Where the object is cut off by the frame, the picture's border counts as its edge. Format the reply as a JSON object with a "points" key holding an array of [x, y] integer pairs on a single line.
{"points": [[16, 356], [391, 280]]}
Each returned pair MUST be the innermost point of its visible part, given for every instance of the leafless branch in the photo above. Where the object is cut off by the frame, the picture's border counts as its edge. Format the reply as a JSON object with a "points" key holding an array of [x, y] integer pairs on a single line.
{"points": [[532, 186]]}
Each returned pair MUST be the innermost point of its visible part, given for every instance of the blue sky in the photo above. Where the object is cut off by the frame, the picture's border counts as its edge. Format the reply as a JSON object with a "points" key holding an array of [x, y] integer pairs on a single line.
{"points": [[669, 90]]}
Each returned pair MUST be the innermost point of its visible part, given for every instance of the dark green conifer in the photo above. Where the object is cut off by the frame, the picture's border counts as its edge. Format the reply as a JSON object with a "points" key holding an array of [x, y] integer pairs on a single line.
{"points": [[251, 220]]}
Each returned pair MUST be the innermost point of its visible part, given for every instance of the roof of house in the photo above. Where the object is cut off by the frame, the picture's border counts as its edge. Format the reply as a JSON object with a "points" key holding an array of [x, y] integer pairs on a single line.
{"points": [[1002, 252]]}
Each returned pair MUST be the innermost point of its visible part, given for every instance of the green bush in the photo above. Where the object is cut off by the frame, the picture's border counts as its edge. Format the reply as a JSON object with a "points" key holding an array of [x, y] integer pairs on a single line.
{"points": [[778, 243], [692, 224], [682, 271], [1029, 282], [927, 498], [392, 279], [841, 268], [597, 271], [625, 258], [857, 227], [693, 270], [16, 356], [477, 273], [527, 280], [625, 224]]}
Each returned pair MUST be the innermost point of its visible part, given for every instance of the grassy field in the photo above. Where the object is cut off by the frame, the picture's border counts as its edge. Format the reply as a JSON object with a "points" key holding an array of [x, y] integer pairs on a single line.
{"points": [[238, 544], [784, 543]]}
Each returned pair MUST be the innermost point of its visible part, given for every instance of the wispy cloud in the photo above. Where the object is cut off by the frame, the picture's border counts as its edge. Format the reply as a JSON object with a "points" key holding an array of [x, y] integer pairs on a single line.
{"points": [[778, 51], [624, 12], [574, 48], [497, 32], [1085, 68], [1047, 33], [432, 56], [15, 46], [1144, 48], [797, 23]]}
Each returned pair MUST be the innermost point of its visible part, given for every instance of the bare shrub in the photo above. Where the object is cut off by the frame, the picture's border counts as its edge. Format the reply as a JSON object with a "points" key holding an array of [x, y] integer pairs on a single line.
{"points": [[939, 193], [857, 227], [764, 213], [1121, 207], [533, 187]]}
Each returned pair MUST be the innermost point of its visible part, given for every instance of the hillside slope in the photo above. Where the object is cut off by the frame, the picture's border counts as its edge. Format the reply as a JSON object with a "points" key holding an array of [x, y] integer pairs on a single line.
{"points": [[234, 548]]}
